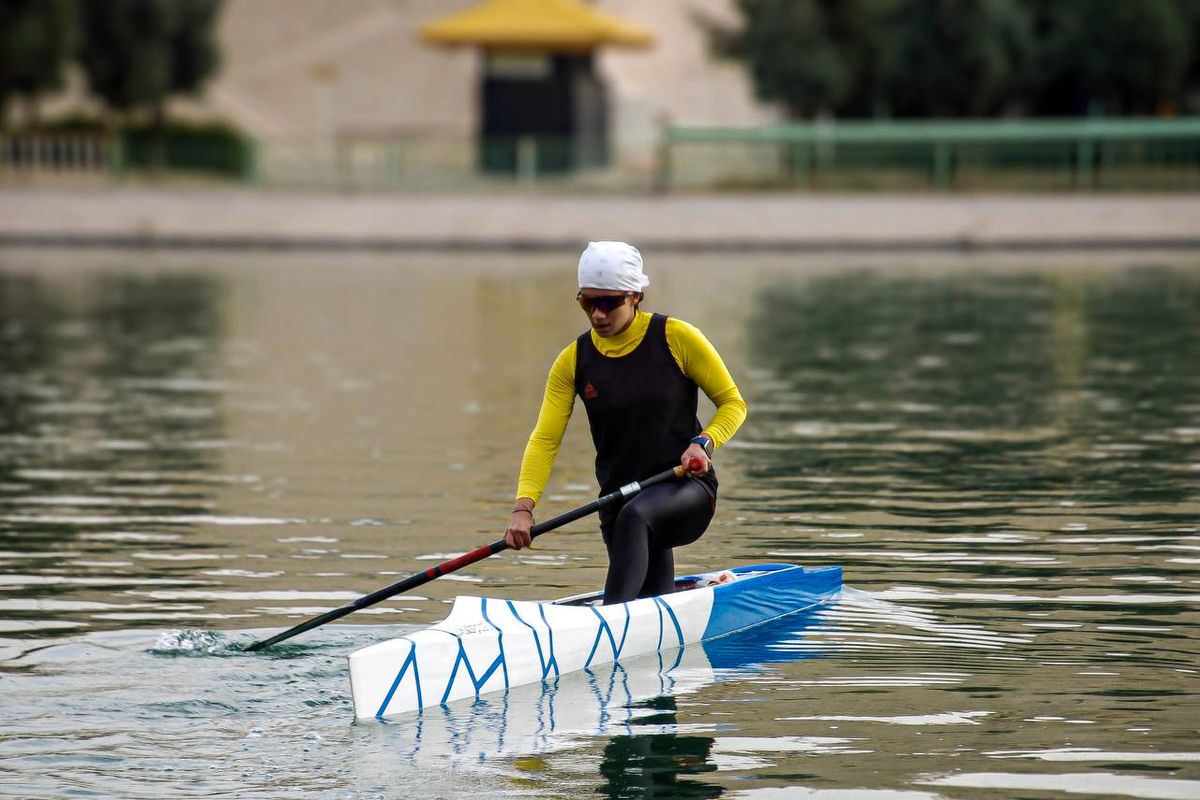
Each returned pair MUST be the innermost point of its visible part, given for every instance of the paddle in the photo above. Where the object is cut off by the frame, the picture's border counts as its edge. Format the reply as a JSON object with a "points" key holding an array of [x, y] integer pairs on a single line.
{"points": [[478, 554]]}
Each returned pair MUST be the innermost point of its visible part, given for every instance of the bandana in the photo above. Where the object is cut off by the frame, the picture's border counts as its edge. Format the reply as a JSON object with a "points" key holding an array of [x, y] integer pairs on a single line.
{"points": [[612, 265]]}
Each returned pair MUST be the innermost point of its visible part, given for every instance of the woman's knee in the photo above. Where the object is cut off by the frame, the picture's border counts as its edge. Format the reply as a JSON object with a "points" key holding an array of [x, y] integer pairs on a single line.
{"points": [[631, 521]]}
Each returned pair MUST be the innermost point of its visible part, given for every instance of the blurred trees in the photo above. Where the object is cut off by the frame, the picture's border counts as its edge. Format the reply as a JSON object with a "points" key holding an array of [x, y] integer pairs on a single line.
{"points": [[813, 56], [788, 49], [138, 52], [956, 58], [37, 38], [134, 53], [1119, 57]]}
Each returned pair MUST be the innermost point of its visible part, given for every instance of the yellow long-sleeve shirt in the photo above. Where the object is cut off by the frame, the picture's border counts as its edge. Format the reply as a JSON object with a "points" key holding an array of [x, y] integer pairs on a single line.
{"points": [[694, 354]]}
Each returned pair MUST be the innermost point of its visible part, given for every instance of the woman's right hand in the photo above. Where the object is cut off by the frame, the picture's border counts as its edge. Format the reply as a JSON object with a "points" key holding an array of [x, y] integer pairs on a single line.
{"points": [[519, 533]]}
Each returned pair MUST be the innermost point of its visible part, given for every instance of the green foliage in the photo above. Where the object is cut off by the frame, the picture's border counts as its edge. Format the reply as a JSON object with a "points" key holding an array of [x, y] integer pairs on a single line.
{"points": [[207, 147], [37, 39], [952, 58], [137, 52], [1191, 11], [859, 31], [956, 58], [73, 123], [810, 55], [196, 55], [1111, 56]]}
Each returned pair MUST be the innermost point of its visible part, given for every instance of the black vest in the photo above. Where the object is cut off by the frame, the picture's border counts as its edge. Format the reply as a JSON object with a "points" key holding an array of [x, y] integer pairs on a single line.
{"points": [[641, 409]]}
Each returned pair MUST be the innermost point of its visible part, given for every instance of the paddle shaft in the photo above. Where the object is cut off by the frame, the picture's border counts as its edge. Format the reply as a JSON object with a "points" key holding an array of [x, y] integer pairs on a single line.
{"points": [[478, 554]]}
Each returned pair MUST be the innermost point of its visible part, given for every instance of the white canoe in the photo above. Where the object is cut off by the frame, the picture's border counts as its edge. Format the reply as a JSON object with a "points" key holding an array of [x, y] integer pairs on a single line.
{"points": [[491, 645]]}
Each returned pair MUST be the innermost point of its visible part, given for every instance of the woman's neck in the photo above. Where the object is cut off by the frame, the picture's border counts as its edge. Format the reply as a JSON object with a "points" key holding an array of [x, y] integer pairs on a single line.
{"points": [[620, 344]]}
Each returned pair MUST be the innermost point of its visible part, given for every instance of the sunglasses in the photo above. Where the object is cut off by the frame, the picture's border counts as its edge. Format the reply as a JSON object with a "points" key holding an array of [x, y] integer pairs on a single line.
{"points": [[606, 302]]}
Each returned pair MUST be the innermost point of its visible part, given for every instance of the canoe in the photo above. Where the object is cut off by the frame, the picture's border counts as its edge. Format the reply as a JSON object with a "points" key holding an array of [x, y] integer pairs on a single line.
{"points": [[604, 700], [491, 645]]}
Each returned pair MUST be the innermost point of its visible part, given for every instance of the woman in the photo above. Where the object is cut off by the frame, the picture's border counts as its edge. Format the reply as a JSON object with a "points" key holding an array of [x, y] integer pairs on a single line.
{"points": [[638, 375]]}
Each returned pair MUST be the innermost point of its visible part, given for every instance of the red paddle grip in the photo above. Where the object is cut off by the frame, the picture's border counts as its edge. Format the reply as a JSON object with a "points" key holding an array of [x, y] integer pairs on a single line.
{"points": [[695, 465]]}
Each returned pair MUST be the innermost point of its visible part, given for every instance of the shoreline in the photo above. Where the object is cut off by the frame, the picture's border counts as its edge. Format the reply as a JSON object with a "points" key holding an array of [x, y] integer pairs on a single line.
{"points": [[272, 219]]}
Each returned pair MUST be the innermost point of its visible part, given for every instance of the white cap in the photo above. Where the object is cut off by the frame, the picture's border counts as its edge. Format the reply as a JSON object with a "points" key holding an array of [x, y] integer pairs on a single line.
{"points": [[612, 265]]}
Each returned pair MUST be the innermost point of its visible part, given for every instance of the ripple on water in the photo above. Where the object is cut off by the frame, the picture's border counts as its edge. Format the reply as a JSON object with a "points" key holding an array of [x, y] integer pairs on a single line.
{"points": [[1085, 783], [1006, 462]]}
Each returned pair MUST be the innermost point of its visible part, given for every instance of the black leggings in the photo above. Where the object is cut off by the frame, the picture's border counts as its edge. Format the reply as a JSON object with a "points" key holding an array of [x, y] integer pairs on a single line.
{"points": [[639, 539]]}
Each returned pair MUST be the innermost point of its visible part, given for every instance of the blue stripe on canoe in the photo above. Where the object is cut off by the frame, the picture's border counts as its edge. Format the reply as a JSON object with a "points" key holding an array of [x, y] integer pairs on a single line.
{"points": [[602, 627], [537, 640], [499, 644], [661, 626], [550, 629], [462, 659], [612, 640], [411, 660], [674, 621]]}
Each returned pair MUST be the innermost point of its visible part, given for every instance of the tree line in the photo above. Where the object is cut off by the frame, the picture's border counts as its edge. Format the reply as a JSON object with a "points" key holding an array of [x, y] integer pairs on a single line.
{"points": [[134, 54], [968, 58]]}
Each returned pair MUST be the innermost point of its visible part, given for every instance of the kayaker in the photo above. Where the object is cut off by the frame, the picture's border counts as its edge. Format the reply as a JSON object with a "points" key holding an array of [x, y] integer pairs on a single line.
{"points": [[638, 375]]}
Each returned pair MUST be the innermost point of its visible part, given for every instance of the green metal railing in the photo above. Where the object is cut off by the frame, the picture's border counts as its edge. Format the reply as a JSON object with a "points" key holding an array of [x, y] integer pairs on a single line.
{"points": [[1082, 154], [990, 155]]}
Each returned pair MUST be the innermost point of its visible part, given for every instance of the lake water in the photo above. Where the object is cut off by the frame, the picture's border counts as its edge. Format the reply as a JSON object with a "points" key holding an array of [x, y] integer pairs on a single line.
{"points": [[198, 450]]}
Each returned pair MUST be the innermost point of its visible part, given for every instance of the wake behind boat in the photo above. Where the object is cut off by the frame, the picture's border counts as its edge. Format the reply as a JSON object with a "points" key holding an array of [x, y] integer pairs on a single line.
{"points": [[490, 645]]}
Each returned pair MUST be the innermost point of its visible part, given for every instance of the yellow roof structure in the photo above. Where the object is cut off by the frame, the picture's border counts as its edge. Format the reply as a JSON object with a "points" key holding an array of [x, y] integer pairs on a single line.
{"points": [[552, 25]]}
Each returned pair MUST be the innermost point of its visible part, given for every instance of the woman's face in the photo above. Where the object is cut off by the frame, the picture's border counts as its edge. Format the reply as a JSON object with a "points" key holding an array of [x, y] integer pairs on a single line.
{"points": [[610, 312]]}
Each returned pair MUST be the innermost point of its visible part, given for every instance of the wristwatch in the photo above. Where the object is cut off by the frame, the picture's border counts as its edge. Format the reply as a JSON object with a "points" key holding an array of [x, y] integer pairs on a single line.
{"points": [[705, 441]]}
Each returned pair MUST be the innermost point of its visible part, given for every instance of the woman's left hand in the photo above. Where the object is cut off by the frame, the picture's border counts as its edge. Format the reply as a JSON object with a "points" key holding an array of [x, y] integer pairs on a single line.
{"points": [[695, 453]]}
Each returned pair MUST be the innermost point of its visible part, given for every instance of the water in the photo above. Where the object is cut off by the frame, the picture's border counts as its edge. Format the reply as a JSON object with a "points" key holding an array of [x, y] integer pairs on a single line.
{"points": [[199, 450]]}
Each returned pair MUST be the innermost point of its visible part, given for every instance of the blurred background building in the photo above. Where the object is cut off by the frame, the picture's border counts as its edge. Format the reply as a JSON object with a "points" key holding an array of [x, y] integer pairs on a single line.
{"points": [[357, 72], [716, 93], [310, 78]]}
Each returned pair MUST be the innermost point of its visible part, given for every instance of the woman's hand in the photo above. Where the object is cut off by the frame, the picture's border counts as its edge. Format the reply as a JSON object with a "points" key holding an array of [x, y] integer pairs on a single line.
{"points": [[519, 532], [695, 453]]}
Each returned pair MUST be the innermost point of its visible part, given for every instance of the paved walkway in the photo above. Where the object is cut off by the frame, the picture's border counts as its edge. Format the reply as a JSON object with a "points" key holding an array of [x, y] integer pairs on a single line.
{"points": [[234, 218]]}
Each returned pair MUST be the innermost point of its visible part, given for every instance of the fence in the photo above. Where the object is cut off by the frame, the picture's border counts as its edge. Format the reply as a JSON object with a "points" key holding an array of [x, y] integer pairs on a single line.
{"points": [[1017, 155], [1057, 154], [432, 162], [102, 155], [400, 162], [61, 154]]}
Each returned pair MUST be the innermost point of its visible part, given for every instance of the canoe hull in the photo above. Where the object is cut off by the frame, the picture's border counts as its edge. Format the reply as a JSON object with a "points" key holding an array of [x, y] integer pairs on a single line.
{"points": [[490, 645]]}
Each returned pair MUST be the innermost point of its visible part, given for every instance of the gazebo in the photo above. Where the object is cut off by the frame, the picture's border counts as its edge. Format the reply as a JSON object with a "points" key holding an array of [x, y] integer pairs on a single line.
{"points": [[541, 103]]}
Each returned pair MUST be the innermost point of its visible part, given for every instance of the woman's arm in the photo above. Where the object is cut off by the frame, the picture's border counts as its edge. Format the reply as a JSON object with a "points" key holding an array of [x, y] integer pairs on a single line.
{"points": [[557, 404], [701, 362], [536, 464]]}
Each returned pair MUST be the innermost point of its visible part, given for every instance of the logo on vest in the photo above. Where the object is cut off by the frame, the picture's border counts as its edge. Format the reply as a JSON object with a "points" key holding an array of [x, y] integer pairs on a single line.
{"points": [[589, 392]]}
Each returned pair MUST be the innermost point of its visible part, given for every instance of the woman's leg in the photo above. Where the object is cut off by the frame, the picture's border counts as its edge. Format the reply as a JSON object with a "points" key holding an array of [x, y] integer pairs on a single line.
{"points": [[640, 563]]}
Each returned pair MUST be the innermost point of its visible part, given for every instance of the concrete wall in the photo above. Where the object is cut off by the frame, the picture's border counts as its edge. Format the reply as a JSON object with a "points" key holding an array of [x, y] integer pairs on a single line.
{"points": [[313, 69]]}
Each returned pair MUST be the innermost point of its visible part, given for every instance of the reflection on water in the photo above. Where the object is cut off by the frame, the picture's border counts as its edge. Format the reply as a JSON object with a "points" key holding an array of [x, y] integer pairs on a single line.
{"points": [[109, 414], [1003, 458], [996, 391], [609, 700], [657, 765]]}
